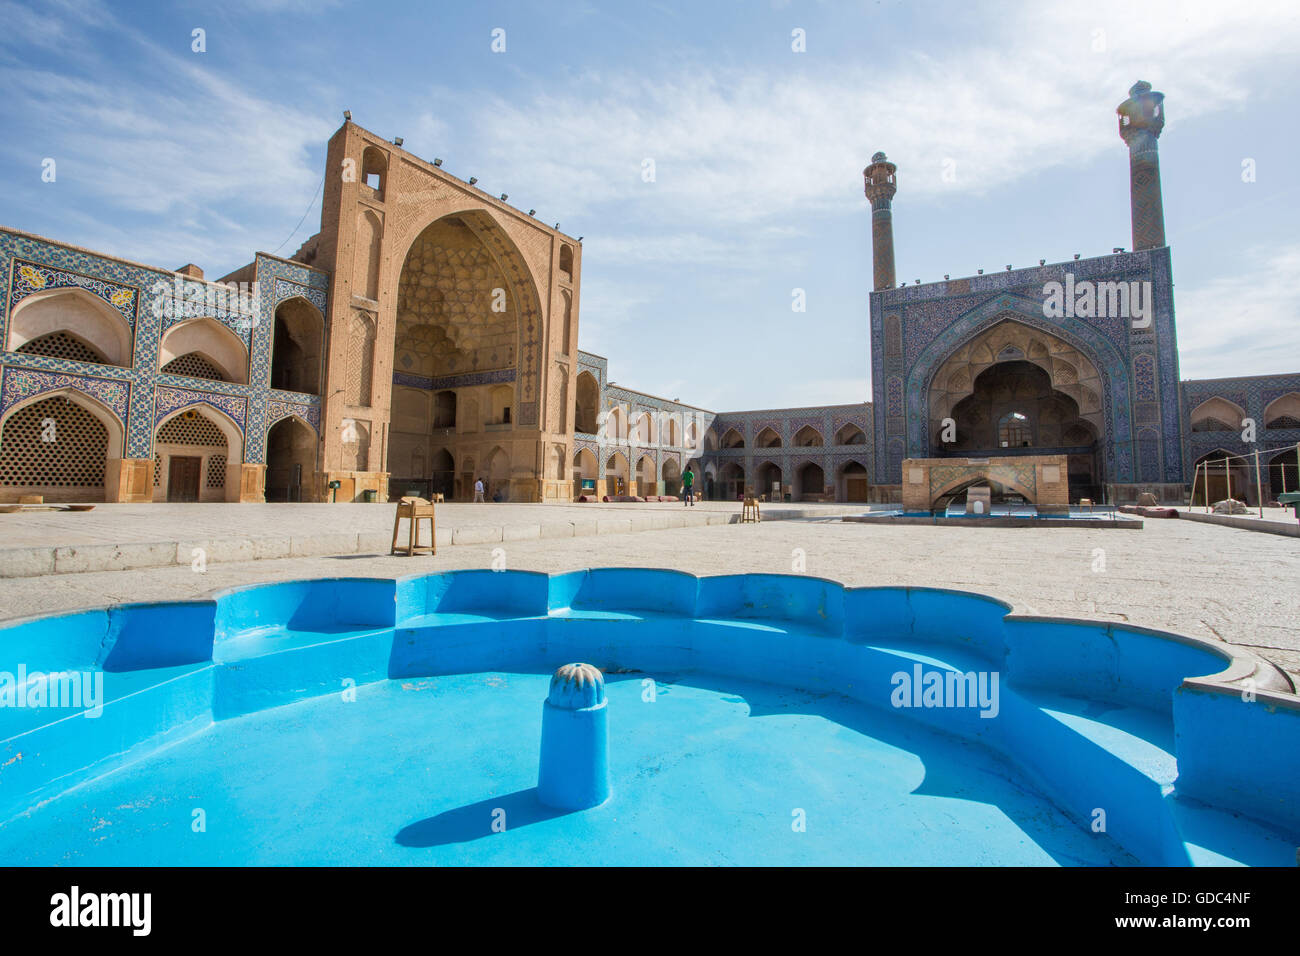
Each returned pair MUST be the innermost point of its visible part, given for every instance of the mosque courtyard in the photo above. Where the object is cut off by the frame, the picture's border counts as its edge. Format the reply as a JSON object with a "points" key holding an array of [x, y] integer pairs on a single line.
{"points": [[1204, 580]]}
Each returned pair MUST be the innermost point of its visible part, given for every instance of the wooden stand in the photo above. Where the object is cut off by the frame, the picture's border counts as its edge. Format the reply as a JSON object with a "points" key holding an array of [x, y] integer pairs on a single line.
{"points": [[414, 510], [749, 511]]}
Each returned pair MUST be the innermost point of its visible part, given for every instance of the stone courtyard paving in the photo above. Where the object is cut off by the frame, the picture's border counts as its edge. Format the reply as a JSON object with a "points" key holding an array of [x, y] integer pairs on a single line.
{"points": [[1204, 580], [115, 537]]}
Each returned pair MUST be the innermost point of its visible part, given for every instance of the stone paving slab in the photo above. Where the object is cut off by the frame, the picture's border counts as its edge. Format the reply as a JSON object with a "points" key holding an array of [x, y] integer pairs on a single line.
{"points": [[1198, 579], [117, 537]]}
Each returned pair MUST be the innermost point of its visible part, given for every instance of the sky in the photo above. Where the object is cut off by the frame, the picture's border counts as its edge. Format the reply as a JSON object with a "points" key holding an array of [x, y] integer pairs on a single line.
{"points": [[1000, 116]]}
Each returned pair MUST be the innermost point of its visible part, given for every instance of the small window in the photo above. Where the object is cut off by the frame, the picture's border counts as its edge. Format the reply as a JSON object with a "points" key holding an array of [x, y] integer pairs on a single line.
{"points": [[374, 167], [1013, 430]]}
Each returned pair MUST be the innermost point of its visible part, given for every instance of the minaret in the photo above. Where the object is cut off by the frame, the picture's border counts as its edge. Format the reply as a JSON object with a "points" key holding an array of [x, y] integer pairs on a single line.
{"points": [[880, 186], [1141, 118]]}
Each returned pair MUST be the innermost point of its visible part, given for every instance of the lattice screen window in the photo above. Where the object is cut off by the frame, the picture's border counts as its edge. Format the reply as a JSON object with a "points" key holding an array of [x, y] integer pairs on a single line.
{"points": [[157, 471], [184, 430], [216, 472], [195, 366], [74, 459], [64, 346]]}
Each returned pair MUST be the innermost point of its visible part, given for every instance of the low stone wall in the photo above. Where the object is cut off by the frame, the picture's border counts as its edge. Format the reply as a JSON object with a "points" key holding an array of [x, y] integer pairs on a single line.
{"points": [[1042, 479]]}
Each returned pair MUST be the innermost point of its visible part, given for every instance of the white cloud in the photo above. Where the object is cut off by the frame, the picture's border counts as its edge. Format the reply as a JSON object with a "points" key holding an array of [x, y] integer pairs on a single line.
{"points": [[742, 146], [194, 154], [1244, 323]]}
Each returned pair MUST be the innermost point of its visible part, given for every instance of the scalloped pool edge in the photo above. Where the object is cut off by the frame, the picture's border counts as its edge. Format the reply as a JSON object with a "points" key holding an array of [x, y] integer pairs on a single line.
{"points": [[180, 666]]}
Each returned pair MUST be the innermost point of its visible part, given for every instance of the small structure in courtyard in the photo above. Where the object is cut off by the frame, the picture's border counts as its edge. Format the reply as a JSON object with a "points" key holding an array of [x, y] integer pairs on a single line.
{"points": [[1038, 480]]}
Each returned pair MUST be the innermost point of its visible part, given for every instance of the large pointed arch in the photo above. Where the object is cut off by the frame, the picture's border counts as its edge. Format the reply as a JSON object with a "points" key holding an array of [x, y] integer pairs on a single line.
{"points": [[1115, 397], [521, 286]]}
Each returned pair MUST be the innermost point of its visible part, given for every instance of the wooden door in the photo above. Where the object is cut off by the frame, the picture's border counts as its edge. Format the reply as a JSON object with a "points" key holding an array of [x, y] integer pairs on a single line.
{"points": [[183, 478]]}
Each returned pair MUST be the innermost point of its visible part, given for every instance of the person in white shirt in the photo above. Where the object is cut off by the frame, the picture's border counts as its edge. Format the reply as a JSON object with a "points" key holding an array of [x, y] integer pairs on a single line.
{"points": [[478, 490]]}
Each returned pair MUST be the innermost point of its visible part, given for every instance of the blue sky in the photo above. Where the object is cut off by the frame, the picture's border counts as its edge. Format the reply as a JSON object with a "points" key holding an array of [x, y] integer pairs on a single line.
{"points": [[168, 156]]}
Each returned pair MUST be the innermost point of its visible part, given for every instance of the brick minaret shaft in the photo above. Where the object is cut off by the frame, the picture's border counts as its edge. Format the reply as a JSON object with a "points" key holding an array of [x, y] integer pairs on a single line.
{"points": [[880, 185], [1141, 118]]}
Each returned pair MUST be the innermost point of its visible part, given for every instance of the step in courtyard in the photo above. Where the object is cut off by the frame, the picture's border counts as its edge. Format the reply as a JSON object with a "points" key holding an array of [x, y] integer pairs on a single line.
{"points": [[116, 537]]}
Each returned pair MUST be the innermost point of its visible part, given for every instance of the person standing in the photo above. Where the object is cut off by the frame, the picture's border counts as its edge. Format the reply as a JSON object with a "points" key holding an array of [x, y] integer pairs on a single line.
{"points": [[478, 490], [688, 487]]}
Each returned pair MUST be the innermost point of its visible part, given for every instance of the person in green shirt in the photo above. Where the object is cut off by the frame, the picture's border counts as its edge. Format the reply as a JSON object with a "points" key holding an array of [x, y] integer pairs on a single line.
{"points": [[688, 488]]}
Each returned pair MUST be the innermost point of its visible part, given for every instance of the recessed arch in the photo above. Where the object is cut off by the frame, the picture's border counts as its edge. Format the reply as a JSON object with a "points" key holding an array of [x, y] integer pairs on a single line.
{"points": [[1283, 472], [646, 475], [297, 346], [367, 258], [1109, 394], [112, 424], [671, 472], [671, 432], [229, 428], [1223, 474], [731, 481], [810, 481], [645, 429], [852, 481], [465, 290], [767, 438], [585, 464], [208, 340], [566, 338], [769, 478], [1283, 412], [617, 474], [616, 424], [291, 446], [85, 317], [587, 404], [1217, 414], [374, 172], [444, 409], [218, 478], [35, 460], [501, 400], [808, 437], [732, 438], [466, 305], [850, 434], [1008, 342]]}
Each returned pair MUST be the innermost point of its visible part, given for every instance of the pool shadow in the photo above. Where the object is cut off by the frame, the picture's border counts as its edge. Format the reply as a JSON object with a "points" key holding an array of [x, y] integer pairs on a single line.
{"points": [[475, 820], [955, 767]]}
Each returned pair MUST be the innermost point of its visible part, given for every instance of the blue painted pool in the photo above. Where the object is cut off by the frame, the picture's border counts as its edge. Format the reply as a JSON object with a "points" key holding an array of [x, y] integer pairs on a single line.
{"points": [[753, 719]]}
